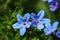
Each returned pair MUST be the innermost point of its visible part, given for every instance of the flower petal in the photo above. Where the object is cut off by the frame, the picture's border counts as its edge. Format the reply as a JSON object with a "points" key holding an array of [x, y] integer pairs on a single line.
{"points": [[53, 8], [40, 26], [44, 0], [34, 23], [58, 34], [16, 26], [55, 24], [22, 31], [40, 14], [48, 25], [33, 16], [47, 32], [45, 20], [19, 18], [27, 16], [53, 29], [28, 24], [50, 1], [57, 3]]}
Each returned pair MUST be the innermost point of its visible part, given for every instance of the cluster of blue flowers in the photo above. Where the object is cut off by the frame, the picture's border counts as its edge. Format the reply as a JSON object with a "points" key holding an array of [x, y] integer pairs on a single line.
{"points": [[53, 4], [37, 21]]}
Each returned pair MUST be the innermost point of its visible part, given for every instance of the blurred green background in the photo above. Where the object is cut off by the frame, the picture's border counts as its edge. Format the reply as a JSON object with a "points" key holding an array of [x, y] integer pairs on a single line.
{"points": [[8, 11]]}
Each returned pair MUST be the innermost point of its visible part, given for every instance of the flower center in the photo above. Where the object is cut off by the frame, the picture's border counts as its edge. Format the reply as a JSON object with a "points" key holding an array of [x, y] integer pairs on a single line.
{"points": [[55, 6], [50, 30], [24, 24], [37, 21]]}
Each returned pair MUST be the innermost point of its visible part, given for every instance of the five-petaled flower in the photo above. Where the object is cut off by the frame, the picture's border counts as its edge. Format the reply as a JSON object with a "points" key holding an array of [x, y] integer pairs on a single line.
{"points": [[38, 20], [50, 29], [58, 34], [53, 5], [22, 23]]}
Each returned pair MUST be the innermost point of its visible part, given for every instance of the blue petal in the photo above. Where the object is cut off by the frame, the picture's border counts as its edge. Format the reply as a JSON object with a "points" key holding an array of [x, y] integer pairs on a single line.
{"points": [[33, 16], [50, 1], [28, 24], [19, 18], [47, 32], [16, 26], [40, 26], [55, 24], [52, 8], [53, 29], [27, 16], [22, 31], [44, 0], [58, 34], [48, 25], [34, 23], [40, 14], [57, 3], [45, 20]]}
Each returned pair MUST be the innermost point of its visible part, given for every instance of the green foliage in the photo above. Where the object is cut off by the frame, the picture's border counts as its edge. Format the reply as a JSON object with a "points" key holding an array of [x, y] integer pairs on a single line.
{"points": [[8, 11]]}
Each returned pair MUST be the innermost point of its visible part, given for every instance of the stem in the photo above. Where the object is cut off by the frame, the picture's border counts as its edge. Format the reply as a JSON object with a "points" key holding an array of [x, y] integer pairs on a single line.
{"points": [[53, 37]]}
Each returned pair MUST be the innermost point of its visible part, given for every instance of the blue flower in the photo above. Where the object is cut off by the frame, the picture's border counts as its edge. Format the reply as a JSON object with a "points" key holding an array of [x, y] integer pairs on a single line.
{"points": [[50, 29], [58, 34], [22, 23], [53, 5], [38, 20]]}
